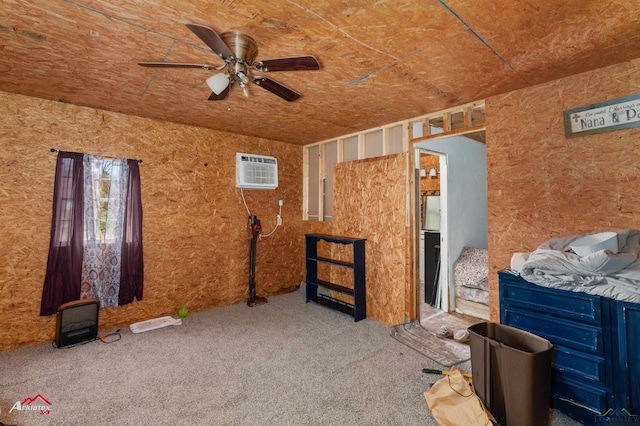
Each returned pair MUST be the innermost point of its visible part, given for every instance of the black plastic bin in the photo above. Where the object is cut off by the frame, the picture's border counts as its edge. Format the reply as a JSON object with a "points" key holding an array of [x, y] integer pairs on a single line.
{"points": [[511, 371]]}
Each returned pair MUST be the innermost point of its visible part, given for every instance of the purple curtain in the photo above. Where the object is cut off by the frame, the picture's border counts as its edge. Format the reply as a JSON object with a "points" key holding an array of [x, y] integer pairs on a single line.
{"points": [[64, 265], [63, 279], [132, 267]]}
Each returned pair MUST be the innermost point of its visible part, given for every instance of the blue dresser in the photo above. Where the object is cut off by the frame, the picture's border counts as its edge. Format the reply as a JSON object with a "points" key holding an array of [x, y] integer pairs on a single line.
{"points": [[596, 368]]}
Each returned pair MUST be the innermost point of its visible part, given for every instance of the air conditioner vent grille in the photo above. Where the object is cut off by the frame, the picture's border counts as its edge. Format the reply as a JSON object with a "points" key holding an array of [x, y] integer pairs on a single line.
{"points": [[256, 171]]}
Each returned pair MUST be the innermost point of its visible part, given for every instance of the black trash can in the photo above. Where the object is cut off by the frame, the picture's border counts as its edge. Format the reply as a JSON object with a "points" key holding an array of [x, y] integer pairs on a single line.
{"points": [[511, 371]]}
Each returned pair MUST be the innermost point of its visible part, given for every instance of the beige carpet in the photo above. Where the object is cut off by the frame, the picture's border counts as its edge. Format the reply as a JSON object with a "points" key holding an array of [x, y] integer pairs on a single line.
{"points": [[284, 363]]}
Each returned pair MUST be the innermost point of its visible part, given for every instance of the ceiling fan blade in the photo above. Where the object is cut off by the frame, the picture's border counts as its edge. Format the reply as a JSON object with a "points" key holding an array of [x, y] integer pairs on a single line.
{"points": [[276, 88], [292, 63], [176, 65], [221, 96], [211, 39]]}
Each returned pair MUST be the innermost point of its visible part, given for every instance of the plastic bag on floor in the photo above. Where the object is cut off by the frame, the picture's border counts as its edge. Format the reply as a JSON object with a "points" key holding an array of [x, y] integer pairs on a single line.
{"points": [[453, 402]]}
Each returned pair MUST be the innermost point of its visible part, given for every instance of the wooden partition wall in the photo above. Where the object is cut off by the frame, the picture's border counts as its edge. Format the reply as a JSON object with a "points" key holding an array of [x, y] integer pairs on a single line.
{"points": [[370, 202]]}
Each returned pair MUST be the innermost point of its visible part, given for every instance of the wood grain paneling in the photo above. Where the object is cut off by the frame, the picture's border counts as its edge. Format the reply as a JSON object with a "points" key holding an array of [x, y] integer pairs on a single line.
{"points": [[542, 185], [370, 202], [430, 183], [381, 61], [195, 234]]}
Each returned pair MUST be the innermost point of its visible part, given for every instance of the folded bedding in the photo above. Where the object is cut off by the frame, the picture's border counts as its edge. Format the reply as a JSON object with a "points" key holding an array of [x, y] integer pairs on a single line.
{"points": [[603, 273]]}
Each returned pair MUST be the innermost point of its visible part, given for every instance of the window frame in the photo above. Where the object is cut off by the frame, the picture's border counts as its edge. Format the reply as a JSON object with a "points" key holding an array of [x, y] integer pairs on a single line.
{"points": [[363, 148], [459, 120]]}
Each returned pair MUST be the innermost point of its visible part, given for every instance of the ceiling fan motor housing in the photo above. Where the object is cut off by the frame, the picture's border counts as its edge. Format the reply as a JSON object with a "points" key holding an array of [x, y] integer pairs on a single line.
{"points": [[243, 47]]}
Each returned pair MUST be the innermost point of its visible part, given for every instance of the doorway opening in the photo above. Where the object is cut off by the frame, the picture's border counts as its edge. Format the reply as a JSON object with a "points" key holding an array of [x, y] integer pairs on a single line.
{"points": [[432, 201], [452, 195], [457, 137]]}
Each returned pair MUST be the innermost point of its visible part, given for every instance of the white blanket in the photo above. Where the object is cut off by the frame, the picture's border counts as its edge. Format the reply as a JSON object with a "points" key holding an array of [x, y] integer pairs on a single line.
{"points": [[603, 273]]}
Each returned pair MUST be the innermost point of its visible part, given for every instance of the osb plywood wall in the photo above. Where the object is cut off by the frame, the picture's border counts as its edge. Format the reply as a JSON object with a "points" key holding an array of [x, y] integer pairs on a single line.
{"points": [[370, 202], [315, 227], [195, 236], [325, 271], [542, 185], [428, 162]]}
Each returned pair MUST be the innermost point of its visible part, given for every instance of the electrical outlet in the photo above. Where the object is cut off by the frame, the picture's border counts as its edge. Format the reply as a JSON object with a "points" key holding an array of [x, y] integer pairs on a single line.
{"points": [[279, 222], [280, 202]]}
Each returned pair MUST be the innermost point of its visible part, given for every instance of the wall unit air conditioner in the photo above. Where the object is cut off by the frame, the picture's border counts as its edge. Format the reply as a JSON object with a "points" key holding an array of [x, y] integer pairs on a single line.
{"points": [[256, 171]]}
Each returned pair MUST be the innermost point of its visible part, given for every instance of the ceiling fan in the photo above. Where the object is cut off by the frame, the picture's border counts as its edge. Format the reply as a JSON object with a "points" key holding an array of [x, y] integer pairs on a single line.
{"points": [[239, 52]]}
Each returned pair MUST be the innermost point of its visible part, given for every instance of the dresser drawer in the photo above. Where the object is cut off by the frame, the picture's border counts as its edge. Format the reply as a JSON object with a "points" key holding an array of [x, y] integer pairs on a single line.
{"points": [[588, 379], [569, 392], [581, 366], [561, 332], [574, 306]]}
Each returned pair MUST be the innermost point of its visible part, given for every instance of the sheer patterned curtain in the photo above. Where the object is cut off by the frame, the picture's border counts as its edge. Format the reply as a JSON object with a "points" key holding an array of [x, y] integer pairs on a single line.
{"points": [[105, 194], [96, 232]]}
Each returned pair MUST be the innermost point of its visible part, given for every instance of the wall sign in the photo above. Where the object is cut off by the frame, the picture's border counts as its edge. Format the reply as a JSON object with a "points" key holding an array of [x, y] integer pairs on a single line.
{"points": [[621, 113]]}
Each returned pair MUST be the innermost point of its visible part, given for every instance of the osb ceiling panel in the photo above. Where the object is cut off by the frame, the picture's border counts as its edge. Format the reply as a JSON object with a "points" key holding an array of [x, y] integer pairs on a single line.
{"points": [[381, 61]]}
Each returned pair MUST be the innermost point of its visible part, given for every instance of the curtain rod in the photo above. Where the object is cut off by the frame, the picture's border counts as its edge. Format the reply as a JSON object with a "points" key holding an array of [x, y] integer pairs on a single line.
{"points": [[136, 159]]}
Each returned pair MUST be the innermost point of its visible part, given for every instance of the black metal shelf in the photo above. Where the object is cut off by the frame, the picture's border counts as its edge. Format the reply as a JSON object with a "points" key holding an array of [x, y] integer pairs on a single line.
{"points": [[332, 262], [336, 304], [331, 286], [357, 309]]}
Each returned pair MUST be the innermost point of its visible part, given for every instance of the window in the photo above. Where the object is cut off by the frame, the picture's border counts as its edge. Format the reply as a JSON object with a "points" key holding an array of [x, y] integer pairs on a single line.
{"points": [[313, 182], [96, 232], [468, 119], [330, 158], [373, 146], [66, 203], [104, 197], [320, 159]]}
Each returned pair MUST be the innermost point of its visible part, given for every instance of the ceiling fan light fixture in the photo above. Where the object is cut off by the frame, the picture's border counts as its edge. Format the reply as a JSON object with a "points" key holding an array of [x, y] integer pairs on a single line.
{"points": [[218, 83], [245, 90], [242, 77], [243, 81]]}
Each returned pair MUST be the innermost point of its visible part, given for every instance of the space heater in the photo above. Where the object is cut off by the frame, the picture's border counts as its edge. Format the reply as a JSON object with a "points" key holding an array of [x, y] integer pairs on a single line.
{"points": [[77, 322]]}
